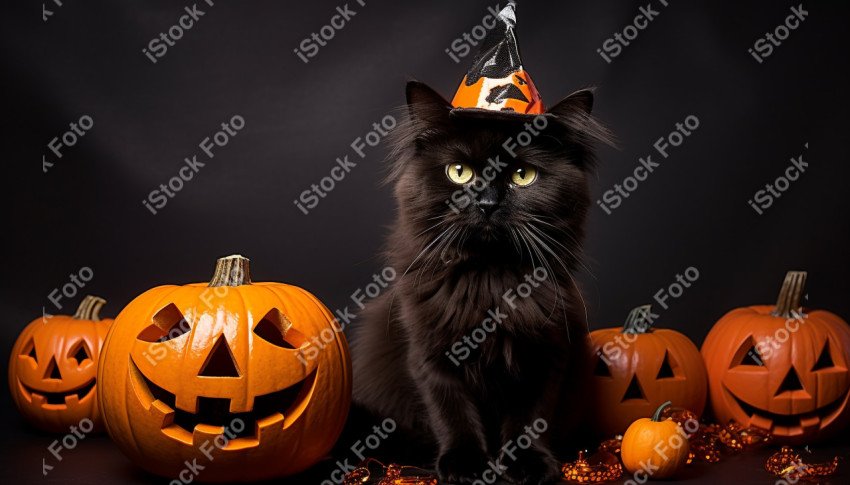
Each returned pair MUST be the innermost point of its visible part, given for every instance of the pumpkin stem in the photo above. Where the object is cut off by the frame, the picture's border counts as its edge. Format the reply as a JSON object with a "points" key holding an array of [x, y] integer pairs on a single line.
{"points": [[89, 308], [788, 305], [639, 320], [233, 270], [657, 415]]}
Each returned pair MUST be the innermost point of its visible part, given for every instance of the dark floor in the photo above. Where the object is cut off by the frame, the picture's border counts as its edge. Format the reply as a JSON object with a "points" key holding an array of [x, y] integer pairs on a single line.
{"points": [[97, 461]]}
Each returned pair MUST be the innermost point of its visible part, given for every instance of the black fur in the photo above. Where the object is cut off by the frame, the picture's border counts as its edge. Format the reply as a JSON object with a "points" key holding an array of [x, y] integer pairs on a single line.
{"points": [[455, 267]]}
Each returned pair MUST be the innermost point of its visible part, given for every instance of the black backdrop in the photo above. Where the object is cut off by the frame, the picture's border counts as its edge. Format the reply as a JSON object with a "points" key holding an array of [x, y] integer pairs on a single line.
{"points": [[692, 59]]}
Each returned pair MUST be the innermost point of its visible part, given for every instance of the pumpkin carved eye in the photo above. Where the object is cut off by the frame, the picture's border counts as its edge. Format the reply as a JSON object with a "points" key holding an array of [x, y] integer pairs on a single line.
{"points": [[168, 324], [79, 353], [825, 359], [666, 371], [29, 351], [748, 355], [277, 330], [601, 369]]}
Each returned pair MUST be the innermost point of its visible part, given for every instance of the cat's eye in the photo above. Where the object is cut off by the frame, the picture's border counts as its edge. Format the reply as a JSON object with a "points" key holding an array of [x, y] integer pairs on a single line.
{"points": [[459, 173], [524, 175]]}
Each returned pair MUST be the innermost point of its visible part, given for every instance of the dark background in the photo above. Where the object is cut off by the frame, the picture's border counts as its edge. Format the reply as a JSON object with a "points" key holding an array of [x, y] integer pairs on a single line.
{"points": [[238, 59]]}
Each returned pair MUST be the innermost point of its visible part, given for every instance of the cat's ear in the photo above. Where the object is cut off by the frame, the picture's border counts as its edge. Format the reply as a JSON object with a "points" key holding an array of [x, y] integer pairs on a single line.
{"points": [[573, 113], [580, 103], [425, 104]]}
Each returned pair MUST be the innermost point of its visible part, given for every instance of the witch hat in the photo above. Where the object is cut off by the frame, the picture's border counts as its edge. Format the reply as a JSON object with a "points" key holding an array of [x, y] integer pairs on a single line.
{"points": [[497, 84]]}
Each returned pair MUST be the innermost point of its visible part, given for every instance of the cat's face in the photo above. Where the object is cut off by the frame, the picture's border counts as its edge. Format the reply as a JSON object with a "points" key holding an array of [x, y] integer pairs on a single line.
{"points": [[474, 185]]}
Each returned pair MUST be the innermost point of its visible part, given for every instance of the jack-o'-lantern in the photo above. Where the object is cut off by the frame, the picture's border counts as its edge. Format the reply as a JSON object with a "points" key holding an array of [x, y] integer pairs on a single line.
{"points": [[781, 368], [637, 368], [249, 380], [53, 368]]}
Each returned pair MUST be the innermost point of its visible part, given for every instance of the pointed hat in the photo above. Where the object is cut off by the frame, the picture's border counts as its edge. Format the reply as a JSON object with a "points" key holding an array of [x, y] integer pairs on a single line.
{"points": [[497, 83]]}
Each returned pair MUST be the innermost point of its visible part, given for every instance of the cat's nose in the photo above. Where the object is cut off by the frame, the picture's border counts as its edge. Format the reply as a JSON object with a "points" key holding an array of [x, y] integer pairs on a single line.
{"points": [[488, 201]]}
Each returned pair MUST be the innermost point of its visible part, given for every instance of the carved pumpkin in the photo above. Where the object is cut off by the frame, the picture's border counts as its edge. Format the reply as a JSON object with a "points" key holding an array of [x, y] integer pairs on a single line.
{"points": [[659, 448], [638, 367], [781, 368], [53, 368], [248, 379]]}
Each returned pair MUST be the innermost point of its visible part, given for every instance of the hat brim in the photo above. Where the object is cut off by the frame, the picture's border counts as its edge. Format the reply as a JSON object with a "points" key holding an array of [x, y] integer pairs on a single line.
{"points": [[494, 115]]}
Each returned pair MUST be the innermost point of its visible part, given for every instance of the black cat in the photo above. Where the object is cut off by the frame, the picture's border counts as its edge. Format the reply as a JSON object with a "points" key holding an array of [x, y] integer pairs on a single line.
{"points": [[480, 344]]}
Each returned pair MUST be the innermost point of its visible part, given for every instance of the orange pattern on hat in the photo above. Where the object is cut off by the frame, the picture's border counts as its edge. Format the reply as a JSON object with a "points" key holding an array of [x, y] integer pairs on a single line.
{"points": [[515, 92]]}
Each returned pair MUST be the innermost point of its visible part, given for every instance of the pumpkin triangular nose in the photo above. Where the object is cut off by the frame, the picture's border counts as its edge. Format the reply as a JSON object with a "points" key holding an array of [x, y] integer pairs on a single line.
{"points": [[52, 370], [220, 362], [634, 391], [791, 382]]}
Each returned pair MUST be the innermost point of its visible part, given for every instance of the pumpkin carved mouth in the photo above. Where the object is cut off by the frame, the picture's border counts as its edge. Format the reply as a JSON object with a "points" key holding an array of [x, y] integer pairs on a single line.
{"points": [[276, 409], [57, 400], [790, 424]]}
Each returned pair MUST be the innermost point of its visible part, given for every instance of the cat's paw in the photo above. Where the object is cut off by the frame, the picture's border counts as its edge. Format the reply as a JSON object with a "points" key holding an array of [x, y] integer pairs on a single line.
{"points": [[532, 466], [461, 465]]}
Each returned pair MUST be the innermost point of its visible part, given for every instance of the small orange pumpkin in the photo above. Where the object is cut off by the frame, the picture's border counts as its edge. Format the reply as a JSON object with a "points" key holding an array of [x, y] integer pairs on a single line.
{"points": [[781, 368], [53, 368], [228, 375], [638, 367], [651, 443]]}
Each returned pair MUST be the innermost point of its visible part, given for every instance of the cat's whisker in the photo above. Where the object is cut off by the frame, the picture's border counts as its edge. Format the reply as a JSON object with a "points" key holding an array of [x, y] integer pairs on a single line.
{"points": [[555, 285], [541, 232], [524, 242], [564, 231], [569, 275], [445, 220], [461, 240], [435, 256], [441, 257], [557, 288], [434, 241], [559, 298], [515, 241], [551, 275], [575, 257]]}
